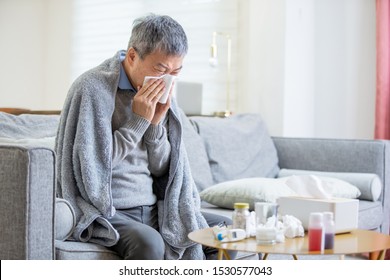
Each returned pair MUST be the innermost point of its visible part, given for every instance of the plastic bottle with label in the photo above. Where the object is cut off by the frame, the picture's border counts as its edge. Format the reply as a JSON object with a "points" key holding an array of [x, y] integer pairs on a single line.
{"points": [[241, 216], [231, 235], [329, 229], [316, 232]]}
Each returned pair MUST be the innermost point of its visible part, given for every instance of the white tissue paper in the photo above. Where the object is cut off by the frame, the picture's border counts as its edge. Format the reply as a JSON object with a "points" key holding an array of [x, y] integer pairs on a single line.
{"points": [[280, 232], [307, 186], [168, 79], [292, 227], [287, 226]]}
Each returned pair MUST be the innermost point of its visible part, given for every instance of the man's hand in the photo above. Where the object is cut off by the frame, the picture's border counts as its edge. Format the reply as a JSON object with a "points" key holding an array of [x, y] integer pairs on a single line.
{"points": [[161, 109], [146, 99]]}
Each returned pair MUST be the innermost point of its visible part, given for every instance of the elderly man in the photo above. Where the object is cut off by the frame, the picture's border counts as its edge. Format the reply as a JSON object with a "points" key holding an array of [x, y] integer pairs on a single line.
{"points": [[120, 157]]}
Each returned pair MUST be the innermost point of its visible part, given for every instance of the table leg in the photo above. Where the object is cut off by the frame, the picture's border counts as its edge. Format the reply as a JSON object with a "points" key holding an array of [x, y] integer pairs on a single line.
{"points": [[381, 255], [295, 257], [223, 253], [265, 256], [226, 254], [220, 254], [374, 255]]}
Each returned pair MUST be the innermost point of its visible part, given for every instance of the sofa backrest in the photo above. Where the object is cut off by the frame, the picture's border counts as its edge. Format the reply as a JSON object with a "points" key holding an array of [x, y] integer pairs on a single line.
{"points": [[219, 149]]}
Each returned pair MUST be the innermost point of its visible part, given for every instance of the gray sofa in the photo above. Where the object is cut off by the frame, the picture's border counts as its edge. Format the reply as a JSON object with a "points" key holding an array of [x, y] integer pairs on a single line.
{"points": [[34, 224]]}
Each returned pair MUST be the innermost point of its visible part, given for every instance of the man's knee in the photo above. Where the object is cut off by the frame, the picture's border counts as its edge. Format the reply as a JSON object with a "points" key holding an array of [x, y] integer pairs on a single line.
{"points": [[148, 247]]}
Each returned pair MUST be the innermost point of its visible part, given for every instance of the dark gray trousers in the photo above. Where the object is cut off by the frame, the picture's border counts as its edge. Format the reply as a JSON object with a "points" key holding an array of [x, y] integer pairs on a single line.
{"points": [[139, 236]]}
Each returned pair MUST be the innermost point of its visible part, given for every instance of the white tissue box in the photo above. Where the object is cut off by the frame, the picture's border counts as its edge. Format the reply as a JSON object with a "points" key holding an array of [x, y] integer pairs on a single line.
{"points": [[345, 211]]}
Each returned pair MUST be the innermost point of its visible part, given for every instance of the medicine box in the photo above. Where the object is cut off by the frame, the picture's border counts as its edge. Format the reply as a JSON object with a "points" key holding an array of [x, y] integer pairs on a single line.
{"points": [[345, 211]]}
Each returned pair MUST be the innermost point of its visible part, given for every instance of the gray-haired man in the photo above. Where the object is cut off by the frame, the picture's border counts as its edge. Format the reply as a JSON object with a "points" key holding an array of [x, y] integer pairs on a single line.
{"points": [[144, 157]]}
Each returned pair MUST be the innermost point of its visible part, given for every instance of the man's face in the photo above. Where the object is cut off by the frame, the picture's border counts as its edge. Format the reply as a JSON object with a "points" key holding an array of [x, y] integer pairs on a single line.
{"points": [[154, 64]]}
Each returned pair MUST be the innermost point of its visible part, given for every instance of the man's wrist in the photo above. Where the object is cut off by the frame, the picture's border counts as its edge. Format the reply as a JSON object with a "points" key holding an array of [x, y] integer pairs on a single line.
{"points": [[137, 124], [153, 132]]}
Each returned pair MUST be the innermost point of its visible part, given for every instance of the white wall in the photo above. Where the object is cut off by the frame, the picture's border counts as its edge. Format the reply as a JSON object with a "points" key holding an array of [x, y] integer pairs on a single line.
{"points": [[312, 67], [345, 68], [58, 53], [299, 71], [22, 40], [34, 53], [261, 75]]}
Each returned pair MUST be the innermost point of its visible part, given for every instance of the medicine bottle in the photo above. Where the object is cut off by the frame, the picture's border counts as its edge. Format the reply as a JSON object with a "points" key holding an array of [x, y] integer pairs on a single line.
{"points": [[241, 216], [316, 232], [329, 229]]}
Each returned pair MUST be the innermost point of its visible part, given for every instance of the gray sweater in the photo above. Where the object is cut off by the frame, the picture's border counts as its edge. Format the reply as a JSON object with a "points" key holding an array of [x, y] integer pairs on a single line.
{"points": [[140, 150]]}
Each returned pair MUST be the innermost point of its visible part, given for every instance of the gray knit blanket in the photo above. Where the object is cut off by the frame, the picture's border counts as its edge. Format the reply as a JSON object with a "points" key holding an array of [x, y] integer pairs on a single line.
{"points": [[84, 157]]}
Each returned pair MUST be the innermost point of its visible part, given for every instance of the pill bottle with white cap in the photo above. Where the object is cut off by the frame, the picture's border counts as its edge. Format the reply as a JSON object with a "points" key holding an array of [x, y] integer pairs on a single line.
{"points": [[241, 216], [329, 230]]}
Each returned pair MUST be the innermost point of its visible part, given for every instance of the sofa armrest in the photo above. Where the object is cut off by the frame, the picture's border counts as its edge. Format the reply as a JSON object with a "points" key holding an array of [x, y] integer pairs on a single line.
{"points": [[27, 181], [340, 155]]}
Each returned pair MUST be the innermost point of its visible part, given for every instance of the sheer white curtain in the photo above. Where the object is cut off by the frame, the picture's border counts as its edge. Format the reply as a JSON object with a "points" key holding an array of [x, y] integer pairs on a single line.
{"points": [[101, 27]]}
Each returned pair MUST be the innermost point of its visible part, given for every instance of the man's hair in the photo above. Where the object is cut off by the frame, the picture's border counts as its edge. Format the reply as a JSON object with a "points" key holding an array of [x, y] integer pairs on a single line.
{"points": [[158, 33]]}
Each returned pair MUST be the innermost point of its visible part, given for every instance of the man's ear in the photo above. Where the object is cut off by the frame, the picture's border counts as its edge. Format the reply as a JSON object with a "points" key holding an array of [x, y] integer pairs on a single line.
{"points": [[130, 55]]}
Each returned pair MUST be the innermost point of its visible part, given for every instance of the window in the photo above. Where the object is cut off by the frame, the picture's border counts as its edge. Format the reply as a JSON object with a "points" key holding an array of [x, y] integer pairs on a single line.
{"points": [[102, 27]]}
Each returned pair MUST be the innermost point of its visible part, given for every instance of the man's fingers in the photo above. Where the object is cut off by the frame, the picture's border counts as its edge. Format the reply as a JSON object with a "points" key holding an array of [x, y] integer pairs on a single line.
{"points": [[157, 93], [151, 90]]}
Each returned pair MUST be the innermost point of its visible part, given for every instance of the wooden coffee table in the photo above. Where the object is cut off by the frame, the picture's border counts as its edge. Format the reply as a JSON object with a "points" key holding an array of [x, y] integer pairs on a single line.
{"points": [[355, 242]]}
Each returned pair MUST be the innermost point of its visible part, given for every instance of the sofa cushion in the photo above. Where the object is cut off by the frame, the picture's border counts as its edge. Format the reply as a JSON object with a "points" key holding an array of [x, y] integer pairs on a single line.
{"points": [[370, 215], [238, 147], [70, 250]]}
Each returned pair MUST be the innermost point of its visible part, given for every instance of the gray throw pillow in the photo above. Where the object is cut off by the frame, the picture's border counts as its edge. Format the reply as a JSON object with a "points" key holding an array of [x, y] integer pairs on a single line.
{"points": [[238, 147]]}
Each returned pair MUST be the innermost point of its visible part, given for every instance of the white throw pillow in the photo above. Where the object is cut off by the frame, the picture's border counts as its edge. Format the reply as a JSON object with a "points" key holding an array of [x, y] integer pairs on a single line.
{"points": [[252, 190], [340, 188], [321, 186], [249, 190]]}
